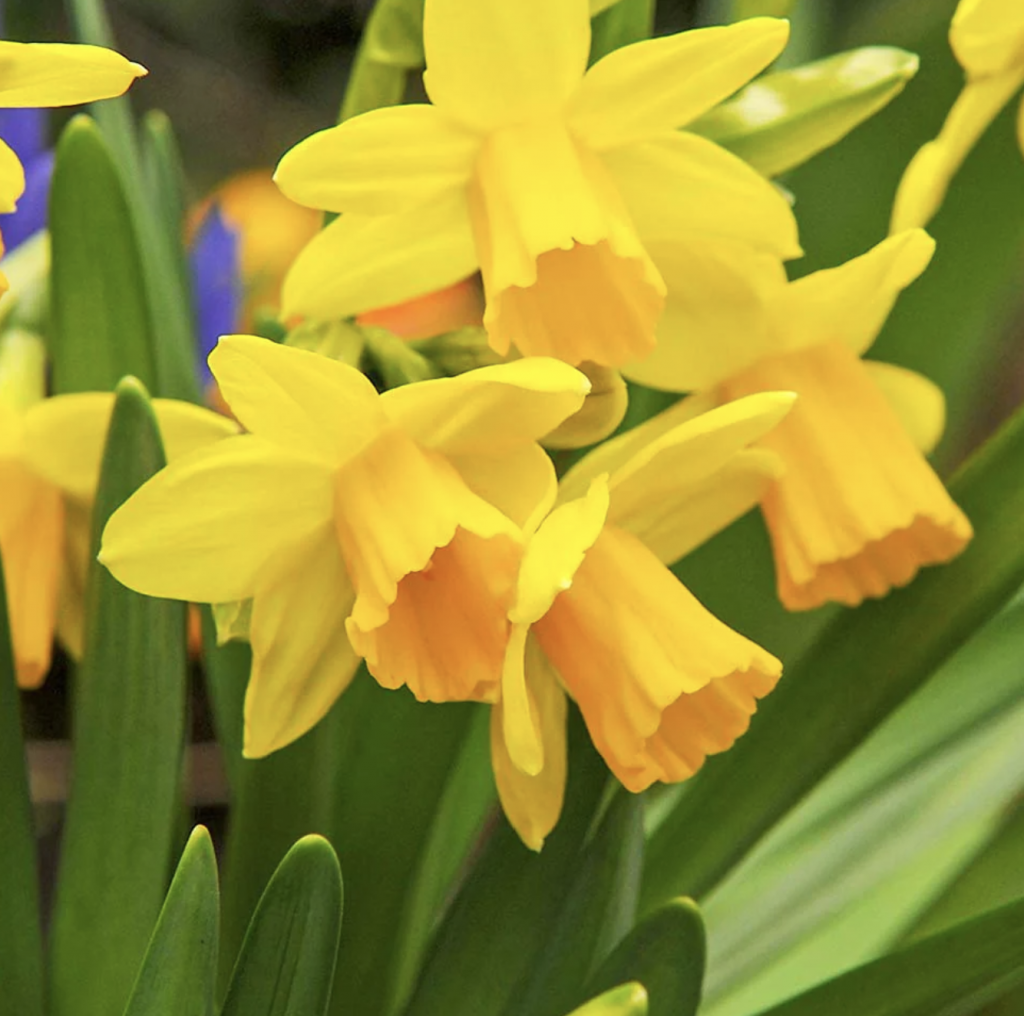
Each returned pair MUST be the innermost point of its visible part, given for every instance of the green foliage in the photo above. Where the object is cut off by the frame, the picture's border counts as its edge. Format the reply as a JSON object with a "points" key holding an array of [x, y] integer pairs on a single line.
{"points": [[627, 1000], [622, 24], [128, 733]]}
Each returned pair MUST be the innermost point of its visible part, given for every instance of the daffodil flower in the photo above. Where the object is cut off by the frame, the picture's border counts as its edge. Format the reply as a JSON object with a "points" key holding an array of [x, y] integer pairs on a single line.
{"points": [[358, 524], [660, 681], [858, 510], [987, 37], [546, 176], [50, 454]]}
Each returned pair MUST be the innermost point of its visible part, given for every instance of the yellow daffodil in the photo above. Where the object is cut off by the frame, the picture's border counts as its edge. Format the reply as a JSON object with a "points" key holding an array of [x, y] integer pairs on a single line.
{"points": [[661, 682], [50, 453], [358, 524], [53, 74], [546, 176], [858, 510], [987, 37]]}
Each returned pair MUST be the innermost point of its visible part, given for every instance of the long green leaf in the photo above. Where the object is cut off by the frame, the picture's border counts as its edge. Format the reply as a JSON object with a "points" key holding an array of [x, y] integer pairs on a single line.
{"points": [[866, 663], [783, 119], [955, 972], [179, 972], [101, 324], [598, 910], [666, 953], [496, 927], [21, 943], [286, 966], [128, 735], [622, 24]]}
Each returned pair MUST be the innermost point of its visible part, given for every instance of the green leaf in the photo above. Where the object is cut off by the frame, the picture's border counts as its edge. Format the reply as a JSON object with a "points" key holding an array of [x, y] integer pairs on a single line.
{"points": [[128, 735], [783, 119], [626, 22], [666, 953], [286, 965], [495, 928], [179, 972], [21, 942], [226, 673], [101, 319], [954, 972], [626, 1000], [864, 665], [599, 909]]}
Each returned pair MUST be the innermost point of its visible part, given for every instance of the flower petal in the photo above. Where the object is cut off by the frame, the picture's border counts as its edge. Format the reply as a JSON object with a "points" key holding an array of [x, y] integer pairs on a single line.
{"points": [[205, 528], [61, 74], [521, 730], [12, 179], [849, 303], [65, 436], [491, 63], [359, 263], [918, 402], [926, 179], [489, 410], [384, 161], [557, 551], [987, 36], [716, 319], [302, 659], [308, 403], [532, 804], [660, 84], [680, 183]]}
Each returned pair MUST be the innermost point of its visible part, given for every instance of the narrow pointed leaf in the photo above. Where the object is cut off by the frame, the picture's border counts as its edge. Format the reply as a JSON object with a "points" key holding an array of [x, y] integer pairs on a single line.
{"points": [[954, 972], [179, 972], [101, 323], [21, 943], [598, 911], [861, 668], [783, 119], [226, 671], [128, 735], [666, 952], [286, 966]]}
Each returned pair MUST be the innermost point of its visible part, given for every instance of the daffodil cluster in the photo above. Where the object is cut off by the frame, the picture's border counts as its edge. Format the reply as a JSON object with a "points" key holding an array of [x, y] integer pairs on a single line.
{"points": [[423, 529]]}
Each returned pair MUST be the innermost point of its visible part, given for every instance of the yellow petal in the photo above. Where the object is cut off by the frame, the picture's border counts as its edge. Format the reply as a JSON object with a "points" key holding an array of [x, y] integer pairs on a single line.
{"points": [[696, 479], [395, 503], [532, 804], [601, 414], [564, 272], [521, 729], [446, 631], [680, 183], [233, 620], [716, 319], [925, 181], [849, 303], [987, 36], [302, 659], [628, 641], [65, 436], [491, 63], [22, 383], [385, 161], [858, 510], [359, 263], [556, 552], [205, 528], [660, 84], [31, 543], [308, 403], [12, 179], [59, 74], [492, 409], [918, 402]]}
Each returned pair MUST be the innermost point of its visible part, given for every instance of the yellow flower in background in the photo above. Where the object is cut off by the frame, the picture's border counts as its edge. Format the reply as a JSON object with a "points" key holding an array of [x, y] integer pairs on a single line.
{"points": [[858, 509], [358, 524], [987, 37], [546, 176], [660, 681], [54, 74], [50, 454]]}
